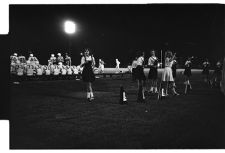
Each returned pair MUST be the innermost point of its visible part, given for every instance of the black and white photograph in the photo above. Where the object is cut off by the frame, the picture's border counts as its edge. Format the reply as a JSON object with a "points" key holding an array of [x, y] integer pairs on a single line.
{"points": [[116, 76]]}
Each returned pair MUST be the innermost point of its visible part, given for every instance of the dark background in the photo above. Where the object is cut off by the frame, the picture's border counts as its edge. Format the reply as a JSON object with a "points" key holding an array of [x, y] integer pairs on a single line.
{"points": [[113, 31], [118, 31]]}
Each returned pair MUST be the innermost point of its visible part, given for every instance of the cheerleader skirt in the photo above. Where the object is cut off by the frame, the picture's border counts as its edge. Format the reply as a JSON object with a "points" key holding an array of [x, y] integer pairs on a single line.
{"points": [[187, 72], [139, 73], [88, 74], [217, 72], [153, 73], [134, 73], [167, 74]]}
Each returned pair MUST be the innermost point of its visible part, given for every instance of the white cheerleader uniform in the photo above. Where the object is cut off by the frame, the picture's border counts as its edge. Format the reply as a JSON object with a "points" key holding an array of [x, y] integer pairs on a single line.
{"points": [[167, 73]]}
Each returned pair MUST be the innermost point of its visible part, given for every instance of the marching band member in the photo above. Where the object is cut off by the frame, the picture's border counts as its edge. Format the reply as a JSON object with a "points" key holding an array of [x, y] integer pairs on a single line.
{"points": [[187, 74], [63, 71], [52, 60], [67, 60], [60, 58], [167, 76], [22, 59], [140, 76], [30, 69], [76, 72], [133, 69], [52, 67], [20, 72], [80, 70], [56, 71], [47, 72], [205, 70], [153, 72], [88, 62], [14, 58], [69, 71], [39, 71], [60, 65], [32, 59]]}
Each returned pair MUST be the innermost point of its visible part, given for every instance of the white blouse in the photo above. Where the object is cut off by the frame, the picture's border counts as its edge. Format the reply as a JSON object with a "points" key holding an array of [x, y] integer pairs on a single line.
{"points": [[168, 62], [88, 58], [151, 60], [140, 60]]}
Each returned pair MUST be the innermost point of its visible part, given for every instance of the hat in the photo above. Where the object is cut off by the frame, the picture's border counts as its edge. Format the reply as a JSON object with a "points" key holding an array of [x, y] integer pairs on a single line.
{"points": [[15, 54], [31, 55], [52, 55], [59, 54]]}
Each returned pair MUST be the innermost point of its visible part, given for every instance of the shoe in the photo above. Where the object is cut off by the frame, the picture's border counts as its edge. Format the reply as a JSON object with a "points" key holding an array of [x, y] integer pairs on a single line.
{"points": [[92, 98], [176, 94]]}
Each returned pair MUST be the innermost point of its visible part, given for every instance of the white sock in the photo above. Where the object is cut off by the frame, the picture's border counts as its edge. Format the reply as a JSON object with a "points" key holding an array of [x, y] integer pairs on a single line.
{"points": [[143, 94], [151, 89], [163, 93], [188, 82], [156, 89], [88, 95], [91, 94]]}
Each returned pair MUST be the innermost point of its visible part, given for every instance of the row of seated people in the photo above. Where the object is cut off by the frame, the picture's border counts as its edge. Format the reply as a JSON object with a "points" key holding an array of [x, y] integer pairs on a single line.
{"points": [[30, 71]]}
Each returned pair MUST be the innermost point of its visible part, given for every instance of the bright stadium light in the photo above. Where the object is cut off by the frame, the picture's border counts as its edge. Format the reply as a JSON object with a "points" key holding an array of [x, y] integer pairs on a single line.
{"points": [[69, 27]]}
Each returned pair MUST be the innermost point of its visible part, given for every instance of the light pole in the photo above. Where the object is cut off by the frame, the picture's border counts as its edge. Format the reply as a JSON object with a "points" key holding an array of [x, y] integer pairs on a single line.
{"points": [[70, 29]]}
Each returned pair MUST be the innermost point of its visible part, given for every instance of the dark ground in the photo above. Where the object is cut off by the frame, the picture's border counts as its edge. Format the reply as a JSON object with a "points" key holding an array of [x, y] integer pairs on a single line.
{"points": [[56, 115]]}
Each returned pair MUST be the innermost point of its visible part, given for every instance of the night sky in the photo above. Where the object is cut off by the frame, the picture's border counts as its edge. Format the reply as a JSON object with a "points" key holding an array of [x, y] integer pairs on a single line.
{"points": [[117, 31]]}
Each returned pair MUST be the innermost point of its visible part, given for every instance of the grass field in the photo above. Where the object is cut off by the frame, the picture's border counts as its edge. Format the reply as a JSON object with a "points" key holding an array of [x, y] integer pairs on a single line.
{"points": [[56, 115]]}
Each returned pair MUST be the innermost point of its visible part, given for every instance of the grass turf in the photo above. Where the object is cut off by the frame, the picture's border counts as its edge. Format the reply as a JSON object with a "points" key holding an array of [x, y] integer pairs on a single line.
{"points": [[56, 115]]}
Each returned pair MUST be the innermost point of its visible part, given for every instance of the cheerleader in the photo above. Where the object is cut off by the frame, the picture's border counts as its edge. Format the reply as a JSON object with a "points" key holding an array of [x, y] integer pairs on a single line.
{"points": [[133, 69], [187, 74], [153, 72], [167, 75], [174, 69], [88, 63], [205, 71], [140, 76]]}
